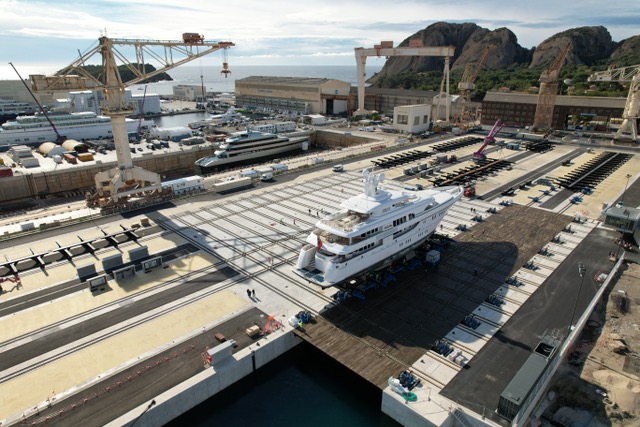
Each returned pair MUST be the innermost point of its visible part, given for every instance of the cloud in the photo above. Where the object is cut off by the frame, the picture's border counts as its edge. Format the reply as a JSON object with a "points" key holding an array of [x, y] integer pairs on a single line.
{"points": [[283, 31]]}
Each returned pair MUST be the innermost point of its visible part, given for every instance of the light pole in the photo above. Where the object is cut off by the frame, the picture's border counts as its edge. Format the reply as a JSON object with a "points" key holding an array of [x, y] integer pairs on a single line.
{"points": [[581, 270], [625, 189]]}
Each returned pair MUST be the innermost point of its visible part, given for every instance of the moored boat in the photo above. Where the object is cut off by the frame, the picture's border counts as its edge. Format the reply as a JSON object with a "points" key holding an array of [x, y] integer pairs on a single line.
{"points": [[35, 129], [245, 146]]}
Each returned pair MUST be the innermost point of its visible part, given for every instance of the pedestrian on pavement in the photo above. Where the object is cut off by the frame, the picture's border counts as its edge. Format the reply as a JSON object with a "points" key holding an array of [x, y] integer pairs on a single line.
{"points": [[253, 293], [249, 293]]}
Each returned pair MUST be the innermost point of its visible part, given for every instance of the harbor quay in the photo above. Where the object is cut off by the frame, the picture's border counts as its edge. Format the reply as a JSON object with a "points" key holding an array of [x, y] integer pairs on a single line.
{"points": [[136, 318]]}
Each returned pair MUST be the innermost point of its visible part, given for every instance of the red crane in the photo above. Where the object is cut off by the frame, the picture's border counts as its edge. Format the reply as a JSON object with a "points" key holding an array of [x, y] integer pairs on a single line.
{"points": [[479, 155]]}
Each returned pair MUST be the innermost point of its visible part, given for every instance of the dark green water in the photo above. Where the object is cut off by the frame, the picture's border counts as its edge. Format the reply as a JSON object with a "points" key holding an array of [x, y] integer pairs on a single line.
{"points": [[303, 387]]}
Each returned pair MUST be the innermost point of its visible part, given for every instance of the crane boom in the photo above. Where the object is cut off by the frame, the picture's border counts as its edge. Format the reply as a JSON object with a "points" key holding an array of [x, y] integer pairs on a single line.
{"points": [[479, 155], [631, 114], [125, 180]]}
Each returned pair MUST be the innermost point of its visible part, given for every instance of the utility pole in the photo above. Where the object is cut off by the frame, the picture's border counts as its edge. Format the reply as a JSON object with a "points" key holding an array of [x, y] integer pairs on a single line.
{"points": [[625, 189], [581, 270]]}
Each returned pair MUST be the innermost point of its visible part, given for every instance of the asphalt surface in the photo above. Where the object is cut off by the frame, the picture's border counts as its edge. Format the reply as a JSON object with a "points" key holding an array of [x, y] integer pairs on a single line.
{"points": [[61, 337], [550, 307], [113, 397]]}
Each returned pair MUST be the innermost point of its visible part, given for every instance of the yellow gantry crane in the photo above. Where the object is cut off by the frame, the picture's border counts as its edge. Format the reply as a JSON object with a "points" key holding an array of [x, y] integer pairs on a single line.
{"points": [[629, 127], [549, 91], [116, 186]]}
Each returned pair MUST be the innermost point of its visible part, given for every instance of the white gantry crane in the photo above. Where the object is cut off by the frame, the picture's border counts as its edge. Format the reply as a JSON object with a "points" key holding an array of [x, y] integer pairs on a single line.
{"points": [[116, 186], [386, 49], [629, 127]]}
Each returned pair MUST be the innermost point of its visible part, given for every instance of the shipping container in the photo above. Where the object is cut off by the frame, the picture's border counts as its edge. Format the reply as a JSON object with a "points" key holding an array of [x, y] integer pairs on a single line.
{"points": [[70, 158], [235, 184]]}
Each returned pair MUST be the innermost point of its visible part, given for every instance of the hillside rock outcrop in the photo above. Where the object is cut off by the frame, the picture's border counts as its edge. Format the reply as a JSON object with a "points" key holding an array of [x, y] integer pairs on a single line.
{"points": [[589, 46]]}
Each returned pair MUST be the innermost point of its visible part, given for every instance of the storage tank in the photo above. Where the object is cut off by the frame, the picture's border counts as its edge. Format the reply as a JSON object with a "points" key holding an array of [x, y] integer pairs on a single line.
{"points": [[73, 145], [50, 149]]}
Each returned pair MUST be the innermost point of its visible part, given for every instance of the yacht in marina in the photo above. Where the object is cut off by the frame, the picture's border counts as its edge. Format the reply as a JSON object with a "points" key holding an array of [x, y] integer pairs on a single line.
{"points": [[371, 230], [248, 146], [35, 129]]}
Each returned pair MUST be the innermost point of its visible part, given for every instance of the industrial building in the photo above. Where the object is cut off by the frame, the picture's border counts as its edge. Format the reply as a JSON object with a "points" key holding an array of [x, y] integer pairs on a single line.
{"points": [[189, 92], [519, 109], [412, 118], [293, 95]]}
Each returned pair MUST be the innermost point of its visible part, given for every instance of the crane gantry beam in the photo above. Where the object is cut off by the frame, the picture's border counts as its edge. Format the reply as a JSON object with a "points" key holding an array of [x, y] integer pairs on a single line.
{"points": [[631, 113], [386, 49], [125, 180]]}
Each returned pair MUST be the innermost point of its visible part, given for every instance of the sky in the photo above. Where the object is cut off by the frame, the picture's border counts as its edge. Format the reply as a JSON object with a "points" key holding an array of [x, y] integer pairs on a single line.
{"points": [[42, 36]]}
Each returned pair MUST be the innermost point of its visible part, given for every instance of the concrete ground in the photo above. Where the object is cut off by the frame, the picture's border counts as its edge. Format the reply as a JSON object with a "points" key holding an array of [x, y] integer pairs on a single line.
{"points": [[248, 241]]}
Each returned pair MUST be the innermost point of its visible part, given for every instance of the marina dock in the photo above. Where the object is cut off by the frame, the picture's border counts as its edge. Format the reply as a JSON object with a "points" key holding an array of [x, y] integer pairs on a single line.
{"points": [[102, 355]]}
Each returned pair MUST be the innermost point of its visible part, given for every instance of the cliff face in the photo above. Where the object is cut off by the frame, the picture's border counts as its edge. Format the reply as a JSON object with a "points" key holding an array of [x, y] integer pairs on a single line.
{"points": [[627, 51], [438, 34], [504, 49], [589, 45]]}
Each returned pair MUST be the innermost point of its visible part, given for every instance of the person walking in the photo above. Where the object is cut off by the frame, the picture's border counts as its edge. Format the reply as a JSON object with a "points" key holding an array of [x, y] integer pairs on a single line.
{"points": [[249, 293], [253, 293]]}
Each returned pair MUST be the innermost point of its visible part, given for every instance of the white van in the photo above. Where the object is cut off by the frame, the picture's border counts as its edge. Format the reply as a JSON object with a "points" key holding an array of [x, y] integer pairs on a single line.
{"points": [[338, 168], [267, 176]]}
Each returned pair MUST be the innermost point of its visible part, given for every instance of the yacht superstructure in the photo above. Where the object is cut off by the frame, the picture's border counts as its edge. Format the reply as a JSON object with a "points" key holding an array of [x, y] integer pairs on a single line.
{"points": [[36, 129], [372, 229], [249, 145]]}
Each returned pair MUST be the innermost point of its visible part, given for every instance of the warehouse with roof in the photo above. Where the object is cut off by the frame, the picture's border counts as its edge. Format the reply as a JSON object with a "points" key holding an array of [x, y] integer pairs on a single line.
{"points": [[518, 109], [293, 95]]}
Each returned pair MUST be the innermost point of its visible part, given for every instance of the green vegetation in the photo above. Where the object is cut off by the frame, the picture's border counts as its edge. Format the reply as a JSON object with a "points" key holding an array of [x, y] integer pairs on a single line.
{"points": [[517, 78]]}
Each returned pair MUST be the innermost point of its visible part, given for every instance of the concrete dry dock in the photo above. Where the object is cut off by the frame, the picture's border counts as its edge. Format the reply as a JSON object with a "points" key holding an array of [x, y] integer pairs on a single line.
{"points": [[399, 324], [249, 241]]}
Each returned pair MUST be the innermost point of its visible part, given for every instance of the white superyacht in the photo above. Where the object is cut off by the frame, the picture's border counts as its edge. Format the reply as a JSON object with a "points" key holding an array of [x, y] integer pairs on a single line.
{"points": [[372, 230]]}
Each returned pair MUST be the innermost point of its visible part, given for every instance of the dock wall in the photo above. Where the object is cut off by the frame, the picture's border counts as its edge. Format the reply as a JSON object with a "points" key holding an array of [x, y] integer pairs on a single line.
{"points": [[27, 185], [180, 399], [331, 139], [403, 413], [30, 185]]}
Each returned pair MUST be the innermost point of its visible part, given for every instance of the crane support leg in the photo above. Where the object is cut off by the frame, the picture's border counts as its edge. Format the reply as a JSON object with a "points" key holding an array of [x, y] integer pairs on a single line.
{"points": [[361, 64], [631, 115], [125, 179]]}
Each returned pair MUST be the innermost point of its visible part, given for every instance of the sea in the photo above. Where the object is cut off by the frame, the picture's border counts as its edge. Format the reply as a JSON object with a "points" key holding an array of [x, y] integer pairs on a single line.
{"points": [[210, 76], [303, 387]]}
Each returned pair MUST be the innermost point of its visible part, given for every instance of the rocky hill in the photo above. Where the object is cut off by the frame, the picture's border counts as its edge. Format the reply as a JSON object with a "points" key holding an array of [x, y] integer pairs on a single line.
{"points": [[589, 46]]}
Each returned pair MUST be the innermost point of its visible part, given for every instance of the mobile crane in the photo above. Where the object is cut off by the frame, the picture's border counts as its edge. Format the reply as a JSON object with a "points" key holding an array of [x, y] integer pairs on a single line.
{"points": [[479, 155]]}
